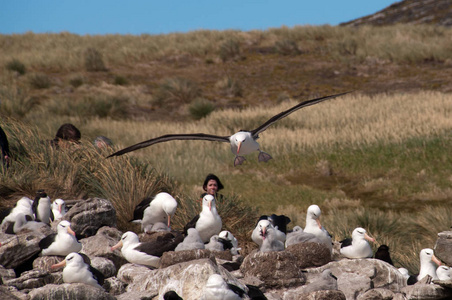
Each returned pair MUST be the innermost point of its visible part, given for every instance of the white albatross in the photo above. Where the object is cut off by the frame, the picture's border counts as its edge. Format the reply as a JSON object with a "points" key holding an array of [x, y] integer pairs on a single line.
{"points": [[216, 288], [23, 222], [357, 246], [158, 209], [61, 243], [138, 253], [58, 208], [242, 142], [23, 205], [314, 226], [260, 232], [77, 271], [208, 222], [428, 262]]}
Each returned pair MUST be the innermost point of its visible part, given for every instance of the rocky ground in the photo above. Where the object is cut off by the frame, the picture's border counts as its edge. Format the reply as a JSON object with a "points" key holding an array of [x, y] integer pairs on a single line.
{"points": [[301, 271]]}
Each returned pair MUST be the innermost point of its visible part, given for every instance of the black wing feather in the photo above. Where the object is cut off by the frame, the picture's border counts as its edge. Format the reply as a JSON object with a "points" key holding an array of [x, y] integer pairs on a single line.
{"points": [[285, 113], [97, 275], [280, 221], [163, 244], [171, 137], [191, 224], [346, 242], [138, 213], [47, 241]]}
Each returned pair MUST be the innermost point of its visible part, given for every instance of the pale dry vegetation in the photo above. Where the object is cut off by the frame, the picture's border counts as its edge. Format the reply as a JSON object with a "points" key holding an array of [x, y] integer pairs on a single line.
{"points": [[373, 159]]}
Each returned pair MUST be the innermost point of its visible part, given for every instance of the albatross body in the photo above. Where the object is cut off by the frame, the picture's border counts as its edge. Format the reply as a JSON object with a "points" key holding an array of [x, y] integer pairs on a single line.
{"points": [[159, 209], [314, 226], [77, 271], [42, 208], [138, 253], [58, 209], [357, 247], [23, 206], [260, 231], [429, 263], [23, 222], [62, 243], [208, 222], [242, 143]]}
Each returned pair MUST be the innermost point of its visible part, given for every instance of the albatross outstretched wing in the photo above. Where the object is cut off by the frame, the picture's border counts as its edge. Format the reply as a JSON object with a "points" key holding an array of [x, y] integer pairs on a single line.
{"points": [[172, 137], [285, 113]]}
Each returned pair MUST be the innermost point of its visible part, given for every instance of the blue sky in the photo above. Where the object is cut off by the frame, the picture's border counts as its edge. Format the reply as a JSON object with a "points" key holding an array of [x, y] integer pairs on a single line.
{"points": [[157, 17]]}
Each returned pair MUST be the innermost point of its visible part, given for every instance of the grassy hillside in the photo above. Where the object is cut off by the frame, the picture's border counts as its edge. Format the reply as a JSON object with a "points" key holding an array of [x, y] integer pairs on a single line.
{"points": [[378, 157]]}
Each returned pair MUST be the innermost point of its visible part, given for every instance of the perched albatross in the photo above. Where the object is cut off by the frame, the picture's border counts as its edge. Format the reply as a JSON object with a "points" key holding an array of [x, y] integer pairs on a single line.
{"points": [[260, 231], [61, 243], [443, 273], [357, 246], [58, 208], [147, 254], [23, 222], [77, 271], [42, 208], [217, 288], [23, 206], [242, 142], [428, 263], [158, 209], [314, 226], [208, 222]]}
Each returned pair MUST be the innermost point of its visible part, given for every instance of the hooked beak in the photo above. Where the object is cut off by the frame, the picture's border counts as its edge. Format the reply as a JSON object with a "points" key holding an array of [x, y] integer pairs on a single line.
{"points": [[118, 245], [210, 205], [264, 232], [436, 260], [59, 207], [69, 230], [370, 239], [169, 221], [239, 144], [58, 265], [318, 223]]}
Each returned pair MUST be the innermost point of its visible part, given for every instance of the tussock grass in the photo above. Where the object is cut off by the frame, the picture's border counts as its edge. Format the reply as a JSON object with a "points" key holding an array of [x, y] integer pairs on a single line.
{"points": [[65, 51]]}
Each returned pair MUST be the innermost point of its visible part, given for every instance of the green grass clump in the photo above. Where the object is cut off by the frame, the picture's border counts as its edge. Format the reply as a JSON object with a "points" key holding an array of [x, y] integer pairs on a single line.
{"points": [[76, 81], [176, 90], [120, 80], [17, 66], [287, 47], [229, 50], [228, 86], [201, 108], [94, 61], [39, 81]]}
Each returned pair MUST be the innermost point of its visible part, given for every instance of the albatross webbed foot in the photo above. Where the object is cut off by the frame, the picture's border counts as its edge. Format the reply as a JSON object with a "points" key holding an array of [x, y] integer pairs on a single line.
{"points": [[238, 160], [264, 156]]}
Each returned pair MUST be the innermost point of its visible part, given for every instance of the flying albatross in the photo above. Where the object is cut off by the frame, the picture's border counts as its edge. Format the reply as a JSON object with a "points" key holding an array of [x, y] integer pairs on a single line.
{"points": [[242, 142]]}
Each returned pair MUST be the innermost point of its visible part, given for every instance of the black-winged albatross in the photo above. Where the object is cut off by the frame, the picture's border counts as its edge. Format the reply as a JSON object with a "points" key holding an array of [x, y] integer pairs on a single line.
{"points": [[146, 253], [23, 206], [314, 226], [58, 208], [158, 209], [23, 222], [61, 243], [242, 142], [260, 231], [357, 246], [77, 271], [208, 222], [42, 208]]}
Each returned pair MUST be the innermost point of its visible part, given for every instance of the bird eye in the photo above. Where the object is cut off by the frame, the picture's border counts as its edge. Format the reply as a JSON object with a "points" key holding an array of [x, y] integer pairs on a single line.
{"points": [[70, 258]]}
